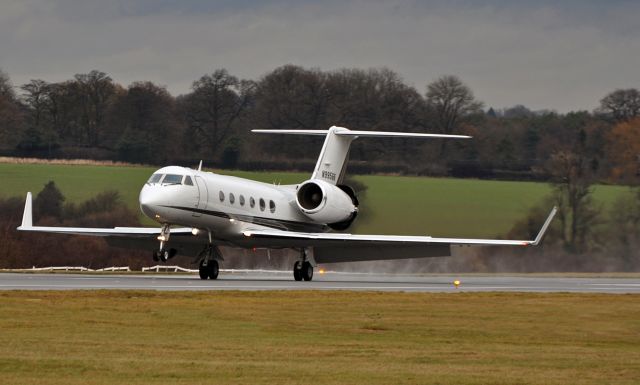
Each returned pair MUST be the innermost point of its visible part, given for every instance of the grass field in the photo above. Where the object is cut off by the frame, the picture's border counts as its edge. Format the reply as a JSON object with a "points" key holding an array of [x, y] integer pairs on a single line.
{"points": [[393, 204], [116, 337]]}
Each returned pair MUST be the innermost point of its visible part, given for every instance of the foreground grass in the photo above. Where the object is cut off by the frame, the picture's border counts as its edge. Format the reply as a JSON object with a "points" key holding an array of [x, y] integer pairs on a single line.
{"points": [[115, 337]]}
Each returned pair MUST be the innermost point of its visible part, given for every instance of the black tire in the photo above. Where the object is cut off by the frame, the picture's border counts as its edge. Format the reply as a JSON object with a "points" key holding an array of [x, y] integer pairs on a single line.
{"points": [[203, 271], [164, 255], [307, 271], [155, 256], [213, 269], [297, 272]]}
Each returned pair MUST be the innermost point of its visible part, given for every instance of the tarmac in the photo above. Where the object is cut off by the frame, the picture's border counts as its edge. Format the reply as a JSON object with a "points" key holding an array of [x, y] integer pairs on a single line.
{"points": [[251, 281]]}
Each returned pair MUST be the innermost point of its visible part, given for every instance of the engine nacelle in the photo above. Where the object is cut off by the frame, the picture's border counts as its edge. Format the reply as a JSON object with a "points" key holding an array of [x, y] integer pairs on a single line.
{"points": [[325, 203]]}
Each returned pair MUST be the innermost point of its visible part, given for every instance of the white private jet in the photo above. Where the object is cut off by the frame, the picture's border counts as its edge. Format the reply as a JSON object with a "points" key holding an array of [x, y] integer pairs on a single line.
{"points": [[217, 210]]}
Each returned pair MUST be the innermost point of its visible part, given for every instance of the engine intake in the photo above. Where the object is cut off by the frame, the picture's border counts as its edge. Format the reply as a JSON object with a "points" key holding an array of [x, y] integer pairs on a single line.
{"points": [[326, 203], [310, 196]]}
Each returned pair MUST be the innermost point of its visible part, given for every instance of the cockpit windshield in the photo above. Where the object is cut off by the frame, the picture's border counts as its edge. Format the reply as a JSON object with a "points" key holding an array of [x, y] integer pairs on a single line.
{"points": [[155, 178], [172, 179]]}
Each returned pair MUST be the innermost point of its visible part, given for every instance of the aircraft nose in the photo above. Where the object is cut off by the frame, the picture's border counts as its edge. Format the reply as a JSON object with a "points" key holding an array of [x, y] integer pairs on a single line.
{"points": [[150, 198]]}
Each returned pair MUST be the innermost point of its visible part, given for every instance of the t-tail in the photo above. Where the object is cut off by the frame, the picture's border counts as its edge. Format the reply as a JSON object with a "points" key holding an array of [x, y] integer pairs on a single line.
{"points": [[331, 164]]}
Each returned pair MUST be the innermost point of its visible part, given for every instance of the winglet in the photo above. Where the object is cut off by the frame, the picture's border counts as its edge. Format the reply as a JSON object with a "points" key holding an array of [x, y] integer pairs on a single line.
{"points": [[200, 165], [27, 216], [543, 230]]}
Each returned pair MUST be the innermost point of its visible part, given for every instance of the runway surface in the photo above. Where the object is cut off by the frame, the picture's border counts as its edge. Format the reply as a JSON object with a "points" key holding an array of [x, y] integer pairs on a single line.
{"points": [[328, 281]]}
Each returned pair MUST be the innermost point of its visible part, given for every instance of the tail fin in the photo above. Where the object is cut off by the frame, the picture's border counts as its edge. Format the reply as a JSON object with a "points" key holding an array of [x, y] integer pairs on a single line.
{"points": [[333, 157]]}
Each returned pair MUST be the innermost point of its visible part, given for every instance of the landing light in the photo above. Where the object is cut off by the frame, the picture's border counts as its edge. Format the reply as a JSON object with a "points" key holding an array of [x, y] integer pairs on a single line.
{"points": [[162, 238], [195, 231]]}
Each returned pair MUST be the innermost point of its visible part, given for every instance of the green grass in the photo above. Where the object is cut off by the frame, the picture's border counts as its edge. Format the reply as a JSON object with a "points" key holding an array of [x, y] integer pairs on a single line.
{"points": [[393, 204], [116, 337]]}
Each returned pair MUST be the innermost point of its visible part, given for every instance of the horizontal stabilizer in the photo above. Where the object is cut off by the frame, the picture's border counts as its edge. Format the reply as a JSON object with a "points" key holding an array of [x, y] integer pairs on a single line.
{"points": [[340, 131]]}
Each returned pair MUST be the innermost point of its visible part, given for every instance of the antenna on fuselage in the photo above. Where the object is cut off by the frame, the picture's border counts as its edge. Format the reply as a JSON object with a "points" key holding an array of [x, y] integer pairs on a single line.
{"points": [[200, 166]]}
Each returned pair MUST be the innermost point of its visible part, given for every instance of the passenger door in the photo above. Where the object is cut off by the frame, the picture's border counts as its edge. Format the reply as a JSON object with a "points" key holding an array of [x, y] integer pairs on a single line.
{"points": [[203, 197]]}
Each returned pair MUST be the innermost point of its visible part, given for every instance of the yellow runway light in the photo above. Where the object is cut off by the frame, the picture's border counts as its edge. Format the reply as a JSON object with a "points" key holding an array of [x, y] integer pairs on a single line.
{"points": [[456, 283]]}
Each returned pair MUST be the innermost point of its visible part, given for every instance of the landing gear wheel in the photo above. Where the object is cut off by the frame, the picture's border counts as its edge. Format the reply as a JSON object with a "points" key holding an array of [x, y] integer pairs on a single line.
{"points": [[307, 271], [203, 271], [213, 269], [164, 255], [297, 271], [156, 258]]}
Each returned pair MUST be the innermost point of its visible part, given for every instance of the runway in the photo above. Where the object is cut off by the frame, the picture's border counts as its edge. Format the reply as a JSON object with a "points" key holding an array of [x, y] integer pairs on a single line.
{"points": [[328, 281]]}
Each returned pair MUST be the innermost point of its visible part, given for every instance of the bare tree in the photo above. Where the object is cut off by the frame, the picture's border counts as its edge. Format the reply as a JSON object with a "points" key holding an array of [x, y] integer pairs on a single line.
{"points": [[451, 100], [145, 127], [622, 104], [572, 185], [217, 102], [11, 116], [292, 97], [6, 88], [96, 88], [35, 95]]}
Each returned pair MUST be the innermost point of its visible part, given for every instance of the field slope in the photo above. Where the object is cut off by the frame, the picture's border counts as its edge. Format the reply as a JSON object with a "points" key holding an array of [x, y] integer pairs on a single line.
{"points": [[393, 205]]}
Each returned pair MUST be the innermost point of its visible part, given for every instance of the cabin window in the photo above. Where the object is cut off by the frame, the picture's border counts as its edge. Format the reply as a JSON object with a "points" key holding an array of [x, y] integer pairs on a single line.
{"points": [[262, 204], [232, 198], [272, 206], [188, 181], [172, 179], [252, 202], [155, 178], [221, 196], [241, 200]]}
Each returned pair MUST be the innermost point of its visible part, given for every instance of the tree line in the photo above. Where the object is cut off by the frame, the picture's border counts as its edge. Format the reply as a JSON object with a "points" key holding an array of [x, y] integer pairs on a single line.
{"points": [[92, 116]]}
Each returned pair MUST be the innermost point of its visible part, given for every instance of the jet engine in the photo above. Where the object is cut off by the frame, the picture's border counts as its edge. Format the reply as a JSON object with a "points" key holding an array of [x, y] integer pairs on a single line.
{"points": [[336, 206]]}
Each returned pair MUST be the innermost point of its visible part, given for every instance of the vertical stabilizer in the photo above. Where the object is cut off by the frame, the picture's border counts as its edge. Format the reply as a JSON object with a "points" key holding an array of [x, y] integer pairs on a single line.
{"points": [[332, 161]]}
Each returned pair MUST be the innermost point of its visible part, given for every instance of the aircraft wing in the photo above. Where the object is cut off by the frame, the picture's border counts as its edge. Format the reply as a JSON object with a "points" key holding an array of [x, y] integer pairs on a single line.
{"points": [[130, 232], [338, 247]]}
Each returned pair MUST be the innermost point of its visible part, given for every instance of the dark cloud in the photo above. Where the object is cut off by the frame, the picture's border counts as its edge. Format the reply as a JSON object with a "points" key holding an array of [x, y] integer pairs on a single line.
{"points": [[542, 54]]}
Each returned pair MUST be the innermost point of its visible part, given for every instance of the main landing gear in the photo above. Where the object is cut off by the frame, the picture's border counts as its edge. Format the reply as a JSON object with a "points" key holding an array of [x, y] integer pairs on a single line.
{"points": [[303, 269], [209, 266], [209, 269]]}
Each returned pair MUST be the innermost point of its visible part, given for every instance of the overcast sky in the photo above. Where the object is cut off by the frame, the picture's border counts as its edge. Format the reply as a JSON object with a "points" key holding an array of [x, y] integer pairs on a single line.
{"points": [[538, 53]]}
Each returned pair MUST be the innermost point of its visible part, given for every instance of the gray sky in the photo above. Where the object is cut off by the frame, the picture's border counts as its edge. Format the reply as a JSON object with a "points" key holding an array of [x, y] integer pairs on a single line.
{"points": [[540, 54]]}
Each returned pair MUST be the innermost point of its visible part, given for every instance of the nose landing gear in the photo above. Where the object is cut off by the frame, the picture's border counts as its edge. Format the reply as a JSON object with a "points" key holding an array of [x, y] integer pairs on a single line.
{"points": [[164, 254]]}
